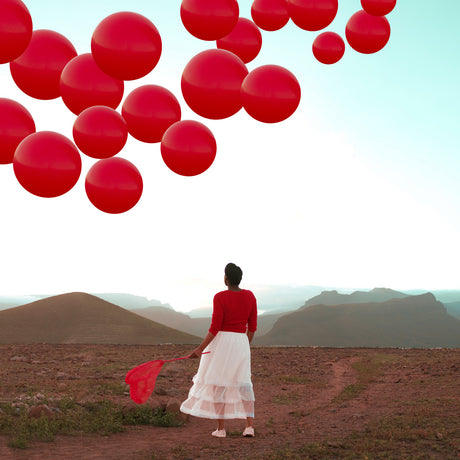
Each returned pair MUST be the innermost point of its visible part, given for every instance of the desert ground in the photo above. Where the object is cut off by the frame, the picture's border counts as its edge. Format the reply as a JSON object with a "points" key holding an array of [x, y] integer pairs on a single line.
{"points": [[310, 403]]}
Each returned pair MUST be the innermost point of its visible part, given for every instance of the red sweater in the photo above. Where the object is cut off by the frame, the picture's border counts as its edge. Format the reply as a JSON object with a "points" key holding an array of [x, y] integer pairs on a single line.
{"points": [[233, 310]]}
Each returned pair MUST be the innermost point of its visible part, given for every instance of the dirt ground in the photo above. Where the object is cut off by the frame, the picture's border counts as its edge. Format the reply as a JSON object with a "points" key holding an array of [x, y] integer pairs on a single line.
{"points": [[297, 393]]}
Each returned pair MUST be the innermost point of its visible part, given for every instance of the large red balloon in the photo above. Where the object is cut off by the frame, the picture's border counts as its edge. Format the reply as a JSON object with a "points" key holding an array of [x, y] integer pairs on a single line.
{"points": [[15, 29], [270, 14], [312, 14], [366, 33], [378, 7], [47, 164], [114, 185], [211, 83], [126, 45], [188, 148], [149, 111], [100, 132], [245, 40], [37, 71], [270, 93], [328, 47], [209, 19], [83, 84], [16, 123]]}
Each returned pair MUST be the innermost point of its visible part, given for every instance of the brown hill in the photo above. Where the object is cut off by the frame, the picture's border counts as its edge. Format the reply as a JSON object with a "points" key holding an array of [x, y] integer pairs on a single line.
{"points": [[82, 318], [196, 326], [415, 321]]}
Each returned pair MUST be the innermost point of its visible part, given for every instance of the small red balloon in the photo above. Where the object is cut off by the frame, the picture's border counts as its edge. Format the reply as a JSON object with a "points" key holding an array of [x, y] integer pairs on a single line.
{"points": [[16, 123], [15, 29], [126, 45], [312, 14], [149, 111], [270, 14], [245, 40], [100, 132], [211, 83], [367, 34], [188, 148], [83, 84], [47, 164], [270, 93], [328, 47], [378, 7], [114, 185], [37, 71], [209, 19]]}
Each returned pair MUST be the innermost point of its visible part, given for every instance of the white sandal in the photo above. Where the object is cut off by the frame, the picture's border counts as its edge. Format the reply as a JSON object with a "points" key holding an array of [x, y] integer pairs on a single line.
{"points": [[248, 432], [219, 433]]}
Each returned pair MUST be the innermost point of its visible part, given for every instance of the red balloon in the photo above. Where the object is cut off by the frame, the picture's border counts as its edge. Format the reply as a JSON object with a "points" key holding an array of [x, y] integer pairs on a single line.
{"points": [[37, 71], [83, 84], [188, 148], [211, 83], [15, 29], [209, 19], [47, 164], [126, 45], [378, 7], [100, 132], [312, 14], [149, 111], [328, 47], [16, 123], [367, 34], [245, 40], [270, 14], [270, 93], [114, 185]]}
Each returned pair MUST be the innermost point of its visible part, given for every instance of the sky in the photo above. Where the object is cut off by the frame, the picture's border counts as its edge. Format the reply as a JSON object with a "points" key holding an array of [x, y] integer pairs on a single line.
{"points": [[360, 188]]}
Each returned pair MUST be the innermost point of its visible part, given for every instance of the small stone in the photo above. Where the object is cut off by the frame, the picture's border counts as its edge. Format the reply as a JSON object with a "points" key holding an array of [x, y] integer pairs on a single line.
{"points": [[40, 411]]}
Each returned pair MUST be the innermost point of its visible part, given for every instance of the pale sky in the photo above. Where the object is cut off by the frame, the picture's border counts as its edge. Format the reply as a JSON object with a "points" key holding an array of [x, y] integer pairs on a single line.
{"points": [[359, 188]]}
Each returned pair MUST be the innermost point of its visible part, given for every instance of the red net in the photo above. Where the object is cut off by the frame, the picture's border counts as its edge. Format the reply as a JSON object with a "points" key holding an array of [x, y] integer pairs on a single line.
{"points": [[141, 380]]}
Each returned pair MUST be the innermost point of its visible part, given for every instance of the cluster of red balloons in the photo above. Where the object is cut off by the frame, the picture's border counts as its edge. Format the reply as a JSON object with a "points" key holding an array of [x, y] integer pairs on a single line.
{"points": [[126, 46], [45, 65]]}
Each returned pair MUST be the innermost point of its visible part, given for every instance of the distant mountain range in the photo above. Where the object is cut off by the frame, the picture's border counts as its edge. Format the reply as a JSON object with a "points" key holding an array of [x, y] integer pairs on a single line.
{"points": [[271, 299], [412, 321], [380, 317]]}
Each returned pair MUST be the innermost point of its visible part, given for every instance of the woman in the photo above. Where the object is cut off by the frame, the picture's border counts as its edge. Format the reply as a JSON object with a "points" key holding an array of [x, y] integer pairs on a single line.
{"points": [[222, 388]]}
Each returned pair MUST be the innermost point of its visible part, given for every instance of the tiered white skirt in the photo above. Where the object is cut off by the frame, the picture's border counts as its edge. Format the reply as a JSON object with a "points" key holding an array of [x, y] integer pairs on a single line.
{"points": [[222, 387]]}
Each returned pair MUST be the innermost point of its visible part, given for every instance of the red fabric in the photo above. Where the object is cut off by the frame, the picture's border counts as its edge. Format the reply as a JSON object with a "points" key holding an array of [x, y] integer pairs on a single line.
{"points": [[234, 311], [141, 380]]}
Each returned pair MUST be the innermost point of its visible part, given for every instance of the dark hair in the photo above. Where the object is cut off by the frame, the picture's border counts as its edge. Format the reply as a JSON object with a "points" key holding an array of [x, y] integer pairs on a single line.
{"points": [[233, 274]]}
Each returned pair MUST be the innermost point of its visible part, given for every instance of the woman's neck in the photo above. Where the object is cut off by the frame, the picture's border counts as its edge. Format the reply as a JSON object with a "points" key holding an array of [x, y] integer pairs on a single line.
{"points": [[234, 288]]}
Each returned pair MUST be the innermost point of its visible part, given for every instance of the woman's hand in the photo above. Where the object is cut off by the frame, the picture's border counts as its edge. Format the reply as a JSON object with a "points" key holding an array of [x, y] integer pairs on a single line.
{"points": [[196, 353]]}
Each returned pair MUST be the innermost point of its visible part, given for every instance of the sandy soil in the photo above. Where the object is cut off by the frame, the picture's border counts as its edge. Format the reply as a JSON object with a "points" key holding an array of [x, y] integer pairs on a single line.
{"points": [[294, 387]]}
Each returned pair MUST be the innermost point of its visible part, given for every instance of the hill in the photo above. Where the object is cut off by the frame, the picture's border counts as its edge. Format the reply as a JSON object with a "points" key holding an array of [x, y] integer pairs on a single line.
{"points": [[414, 321], [453, 309], [82, 318], [334, 298], [196, 326]]}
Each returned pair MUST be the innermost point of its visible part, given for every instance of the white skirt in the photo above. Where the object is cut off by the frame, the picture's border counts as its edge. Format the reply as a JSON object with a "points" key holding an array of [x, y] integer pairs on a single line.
{"points": [[222, 387]]}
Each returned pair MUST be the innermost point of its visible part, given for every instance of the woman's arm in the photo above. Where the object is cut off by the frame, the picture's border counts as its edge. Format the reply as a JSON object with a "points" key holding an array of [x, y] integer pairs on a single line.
{"points": [[196, 353], [250, 335]]}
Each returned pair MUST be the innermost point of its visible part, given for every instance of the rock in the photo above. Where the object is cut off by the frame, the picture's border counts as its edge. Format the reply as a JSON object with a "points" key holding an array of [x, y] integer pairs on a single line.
{"points": [[40, 411], [21, 359]]}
